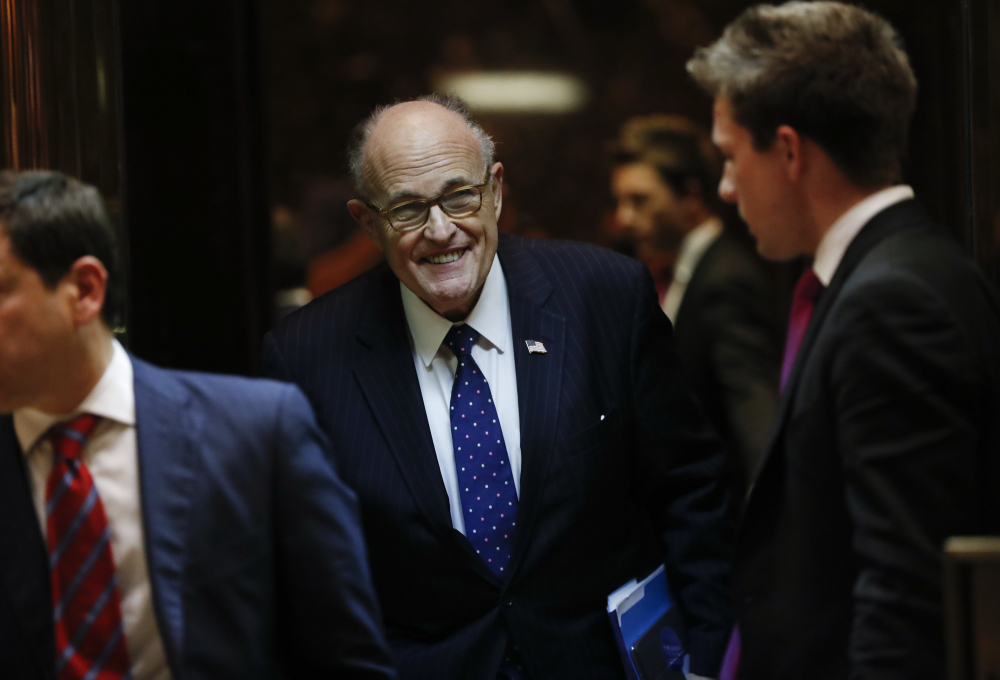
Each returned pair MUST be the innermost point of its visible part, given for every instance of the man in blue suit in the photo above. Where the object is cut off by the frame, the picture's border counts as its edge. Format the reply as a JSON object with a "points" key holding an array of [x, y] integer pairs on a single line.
{"points": [[513, 417], [155, 524]]}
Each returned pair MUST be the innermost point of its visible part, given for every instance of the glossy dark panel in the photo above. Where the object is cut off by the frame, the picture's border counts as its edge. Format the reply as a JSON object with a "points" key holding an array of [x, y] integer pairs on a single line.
{"points": [[26, 125], [60, 92], [932, 34], [981, 71], [196, 195]]}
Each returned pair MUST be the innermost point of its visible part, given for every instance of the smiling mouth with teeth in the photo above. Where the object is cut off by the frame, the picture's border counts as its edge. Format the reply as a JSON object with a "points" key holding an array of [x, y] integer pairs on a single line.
{"points": [[445, 258]]}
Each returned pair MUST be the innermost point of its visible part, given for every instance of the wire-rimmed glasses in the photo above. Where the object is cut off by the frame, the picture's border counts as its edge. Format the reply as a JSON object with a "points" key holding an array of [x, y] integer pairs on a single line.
{"points": [[458, 202]]}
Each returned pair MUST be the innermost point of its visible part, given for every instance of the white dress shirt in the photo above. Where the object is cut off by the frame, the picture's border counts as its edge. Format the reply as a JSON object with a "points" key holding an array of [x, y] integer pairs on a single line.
{"points": [[838, 237], [111, 455], [436, 366], [696, 242]]}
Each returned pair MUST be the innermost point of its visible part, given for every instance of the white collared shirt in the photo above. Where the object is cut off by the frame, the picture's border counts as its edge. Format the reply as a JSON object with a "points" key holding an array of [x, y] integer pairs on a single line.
{"points": [[696, 242], [838, 237], [436, 366], [111, 455]]}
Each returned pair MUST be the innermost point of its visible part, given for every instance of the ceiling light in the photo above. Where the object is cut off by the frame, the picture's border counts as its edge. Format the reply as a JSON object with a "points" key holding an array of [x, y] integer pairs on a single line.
{"points": [[517, 92]]}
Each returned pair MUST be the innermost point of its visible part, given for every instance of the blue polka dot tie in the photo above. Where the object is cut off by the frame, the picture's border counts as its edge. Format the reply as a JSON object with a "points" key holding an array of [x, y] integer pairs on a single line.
{"points": [[489, 501]]}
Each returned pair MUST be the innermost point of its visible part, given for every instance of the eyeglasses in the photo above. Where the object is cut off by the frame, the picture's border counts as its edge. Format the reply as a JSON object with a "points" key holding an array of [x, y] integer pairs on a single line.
{"points": [[460, 202]]}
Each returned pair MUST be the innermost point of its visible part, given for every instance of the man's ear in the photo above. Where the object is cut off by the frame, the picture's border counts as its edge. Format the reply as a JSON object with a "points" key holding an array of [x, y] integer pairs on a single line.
{"points": [[85, 285], [788, 144], [359, 211], [497, 187]]}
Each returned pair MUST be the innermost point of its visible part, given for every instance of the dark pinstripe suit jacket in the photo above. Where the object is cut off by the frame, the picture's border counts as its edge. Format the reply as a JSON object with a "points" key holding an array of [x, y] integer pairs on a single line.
{"points": [[602, 500]]}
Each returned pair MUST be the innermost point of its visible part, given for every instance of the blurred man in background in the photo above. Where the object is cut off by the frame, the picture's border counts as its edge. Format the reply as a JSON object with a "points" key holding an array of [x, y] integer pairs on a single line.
{"points": [[718, 295], [887, 438], [156, 524], [318, 246], [643, 205], [337, 248], [514, 418]]}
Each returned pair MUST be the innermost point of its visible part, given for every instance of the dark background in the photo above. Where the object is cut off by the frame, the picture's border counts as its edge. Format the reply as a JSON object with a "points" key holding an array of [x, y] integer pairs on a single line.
{"points": [[327, 63], [223, 114]]}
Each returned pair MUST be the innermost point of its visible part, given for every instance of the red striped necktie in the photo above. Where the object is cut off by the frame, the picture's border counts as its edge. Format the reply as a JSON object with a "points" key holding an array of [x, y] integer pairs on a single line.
{"points": [[90, 640], [803, 302]]}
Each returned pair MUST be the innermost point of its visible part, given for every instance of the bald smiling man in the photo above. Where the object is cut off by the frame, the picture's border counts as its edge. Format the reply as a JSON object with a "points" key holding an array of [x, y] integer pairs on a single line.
{"points": [[513, 417]]}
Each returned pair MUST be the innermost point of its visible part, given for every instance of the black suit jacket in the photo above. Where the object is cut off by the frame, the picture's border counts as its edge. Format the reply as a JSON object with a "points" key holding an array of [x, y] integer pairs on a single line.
{"points": [[255, 554], [619, 469], [886, 442], [728, 334]]}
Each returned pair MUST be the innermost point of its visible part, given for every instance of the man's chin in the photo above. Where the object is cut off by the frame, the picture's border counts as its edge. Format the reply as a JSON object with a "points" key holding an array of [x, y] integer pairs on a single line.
{"points": [[9, 404], [450, 300], [775, 254]]}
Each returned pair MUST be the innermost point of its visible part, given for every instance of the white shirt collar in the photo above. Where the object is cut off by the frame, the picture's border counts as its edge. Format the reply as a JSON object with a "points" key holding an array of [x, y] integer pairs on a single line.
{"points": [[113, 397], [490, 317], [693, 247], [838, 237]]}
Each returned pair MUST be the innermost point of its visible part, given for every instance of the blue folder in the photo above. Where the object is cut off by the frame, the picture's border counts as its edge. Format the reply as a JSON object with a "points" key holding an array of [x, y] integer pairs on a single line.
{"points": [[649, 629]]}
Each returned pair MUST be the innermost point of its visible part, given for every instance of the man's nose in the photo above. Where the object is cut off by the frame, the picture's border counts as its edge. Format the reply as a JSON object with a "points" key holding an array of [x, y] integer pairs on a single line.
{"points": [[439, 226], [624, 215]]}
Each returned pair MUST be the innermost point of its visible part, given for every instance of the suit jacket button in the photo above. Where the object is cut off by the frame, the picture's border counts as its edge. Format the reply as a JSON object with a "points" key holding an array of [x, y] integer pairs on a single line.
{"points": [[508, 603]]}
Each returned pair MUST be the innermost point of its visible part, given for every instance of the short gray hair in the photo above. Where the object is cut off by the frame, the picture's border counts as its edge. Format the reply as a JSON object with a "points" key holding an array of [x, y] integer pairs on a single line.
{"points": [[363, 131], [836, 73]]}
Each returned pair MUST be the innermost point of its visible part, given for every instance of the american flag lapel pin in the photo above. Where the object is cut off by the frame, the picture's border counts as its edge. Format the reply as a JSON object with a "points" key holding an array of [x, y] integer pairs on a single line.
{"points": [[535, 347]]}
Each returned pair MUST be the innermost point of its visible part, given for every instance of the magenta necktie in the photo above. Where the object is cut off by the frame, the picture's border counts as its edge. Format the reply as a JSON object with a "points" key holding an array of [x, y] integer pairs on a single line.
{"points": [[90, 642], [803, 303], [731, 662]]}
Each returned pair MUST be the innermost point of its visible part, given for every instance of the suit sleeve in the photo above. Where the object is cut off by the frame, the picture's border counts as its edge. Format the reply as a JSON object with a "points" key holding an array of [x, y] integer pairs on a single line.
{"points": [[681, 468], [272, 363], [329, 624], [906, 392], [744, 356]]}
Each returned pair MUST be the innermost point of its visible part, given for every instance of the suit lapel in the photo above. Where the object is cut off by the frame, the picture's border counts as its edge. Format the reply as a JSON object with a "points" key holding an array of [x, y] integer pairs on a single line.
{"points": [[168, 472], [539, 381], [889, 221], [388, 379], [697, 281], [24, 569]]}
